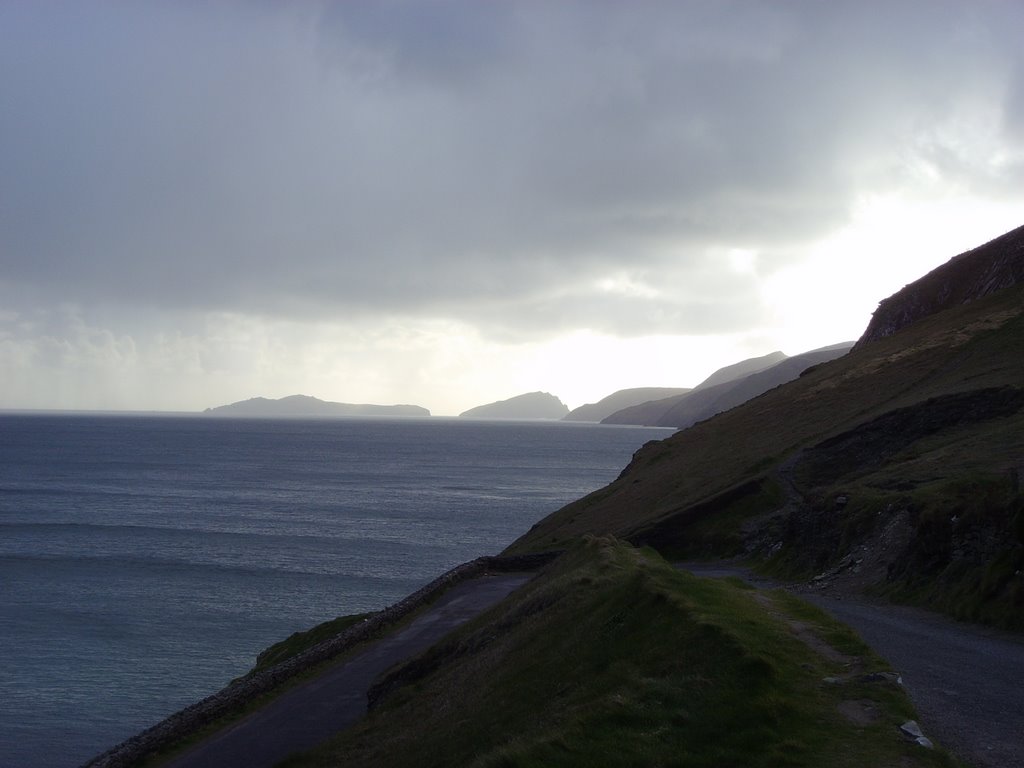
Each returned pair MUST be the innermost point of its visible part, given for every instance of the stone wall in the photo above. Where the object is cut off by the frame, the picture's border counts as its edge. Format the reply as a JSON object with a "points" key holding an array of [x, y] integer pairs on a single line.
{"points": [[236, 695]]}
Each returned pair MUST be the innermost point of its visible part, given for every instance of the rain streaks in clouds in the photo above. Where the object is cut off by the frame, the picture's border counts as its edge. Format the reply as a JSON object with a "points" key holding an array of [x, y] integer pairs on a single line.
{"points": [[450, 202]]}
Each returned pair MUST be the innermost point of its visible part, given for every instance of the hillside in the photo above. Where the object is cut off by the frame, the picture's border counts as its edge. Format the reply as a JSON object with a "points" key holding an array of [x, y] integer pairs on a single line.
{"points": [[532, 405], [893, 468], [924, 504], [648, 412], [613, 658], [725, 389], [624, 398], [304, 406], [741, 369], [970, 276]]}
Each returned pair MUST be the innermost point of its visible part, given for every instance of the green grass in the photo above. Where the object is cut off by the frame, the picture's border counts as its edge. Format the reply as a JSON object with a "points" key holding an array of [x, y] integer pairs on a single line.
{"points": [[713, 529], [275, 654], [967, 559], [614, 658], [298, 642], [919, 433], [975, 346], [960, 492]]}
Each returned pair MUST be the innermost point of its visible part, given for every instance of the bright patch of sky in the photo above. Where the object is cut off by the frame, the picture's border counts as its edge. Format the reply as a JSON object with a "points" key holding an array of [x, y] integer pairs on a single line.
{"points": [[451, 202]]}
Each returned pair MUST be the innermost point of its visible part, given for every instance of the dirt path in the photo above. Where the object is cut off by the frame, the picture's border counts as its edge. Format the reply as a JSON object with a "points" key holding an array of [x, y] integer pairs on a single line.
{"points": [[314, 711], [966, 682]]}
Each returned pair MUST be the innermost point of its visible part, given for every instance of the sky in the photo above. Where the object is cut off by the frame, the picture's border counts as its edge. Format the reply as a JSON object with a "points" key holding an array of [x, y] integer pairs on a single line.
{"points": [[451, 202]]}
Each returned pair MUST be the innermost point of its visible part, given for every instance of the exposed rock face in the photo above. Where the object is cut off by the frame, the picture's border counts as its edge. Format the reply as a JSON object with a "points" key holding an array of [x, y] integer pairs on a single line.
{"points": [[533, 405], [976, 273]]}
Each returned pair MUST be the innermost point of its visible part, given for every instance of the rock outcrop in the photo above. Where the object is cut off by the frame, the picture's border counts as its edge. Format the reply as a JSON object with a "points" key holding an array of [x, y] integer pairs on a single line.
{"points": [[976, 273]]}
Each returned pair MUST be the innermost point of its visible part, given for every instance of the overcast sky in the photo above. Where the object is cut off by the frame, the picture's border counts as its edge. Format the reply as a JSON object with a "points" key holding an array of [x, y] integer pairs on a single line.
{"points": [[449, 202]]}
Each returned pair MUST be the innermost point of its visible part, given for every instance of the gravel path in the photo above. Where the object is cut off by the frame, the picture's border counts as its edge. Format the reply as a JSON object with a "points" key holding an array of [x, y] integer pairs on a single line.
{"points": [[310, 713], [967, 682]]}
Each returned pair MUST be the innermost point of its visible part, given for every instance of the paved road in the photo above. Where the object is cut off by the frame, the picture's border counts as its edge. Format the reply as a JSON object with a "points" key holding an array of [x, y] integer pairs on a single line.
{"points": [[314, 711], [966, 682]]}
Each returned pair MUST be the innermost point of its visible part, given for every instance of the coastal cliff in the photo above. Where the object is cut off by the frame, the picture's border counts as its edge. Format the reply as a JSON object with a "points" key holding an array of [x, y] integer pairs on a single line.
{"points": [[968, 277]]}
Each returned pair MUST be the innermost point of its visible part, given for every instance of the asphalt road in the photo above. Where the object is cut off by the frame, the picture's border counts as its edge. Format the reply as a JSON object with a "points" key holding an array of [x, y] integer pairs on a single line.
{"points": [[311, 713], [966, 682]]}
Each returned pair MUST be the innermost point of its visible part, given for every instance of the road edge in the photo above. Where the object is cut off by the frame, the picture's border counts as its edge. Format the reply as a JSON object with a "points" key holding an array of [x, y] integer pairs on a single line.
{"points": [[235, 695]]}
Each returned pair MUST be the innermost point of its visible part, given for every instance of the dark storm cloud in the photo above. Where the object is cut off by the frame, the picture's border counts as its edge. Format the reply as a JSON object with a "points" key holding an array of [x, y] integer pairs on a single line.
{"points": [[499, 163]]}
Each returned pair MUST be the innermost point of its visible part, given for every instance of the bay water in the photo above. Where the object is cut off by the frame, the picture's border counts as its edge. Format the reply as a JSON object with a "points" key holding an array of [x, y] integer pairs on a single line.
{"points": [[146, 560]]}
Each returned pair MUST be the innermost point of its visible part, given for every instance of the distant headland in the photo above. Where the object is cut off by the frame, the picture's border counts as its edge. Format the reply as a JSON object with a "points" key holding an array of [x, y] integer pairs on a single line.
{"points": [[304, 406], [532, 405]]}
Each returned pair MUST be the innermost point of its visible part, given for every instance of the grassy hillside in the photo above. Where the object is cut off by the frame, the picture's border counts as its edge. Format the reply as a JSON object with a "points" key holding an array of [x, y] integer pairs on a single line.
{"points": [[895, 469], [747, 481], [707, 402], [613, 658], [624, 398], [699, 401]]}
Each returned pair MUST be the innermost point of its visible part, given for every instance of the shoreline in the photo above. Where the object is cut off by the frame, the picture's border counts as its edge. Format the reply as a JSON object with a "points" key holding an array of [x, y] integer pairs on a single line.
{"points": [[235, 695]]}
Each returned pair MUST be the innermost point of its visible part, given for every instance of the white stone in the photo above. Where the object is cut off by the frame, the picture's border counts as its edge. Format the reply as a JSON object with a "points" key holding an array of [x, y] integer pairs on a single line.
{"points": [[912, 729]]}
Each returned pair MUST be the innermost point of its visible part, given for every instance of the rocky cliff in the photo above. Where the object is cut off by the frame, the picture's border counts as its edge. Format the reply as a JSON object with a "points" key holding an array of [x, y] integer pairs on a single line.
{"points": [[976, 273]]}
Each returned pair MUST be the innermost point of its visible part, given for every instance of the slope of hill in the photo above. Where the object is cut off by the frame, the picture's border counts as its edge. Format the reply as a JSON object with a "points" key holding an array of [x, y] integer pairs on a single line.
{"points": [[613, 658], [647, 412], [937, 507], [972, 275], [707, 402], [895, 466], [624, 398], [719, 393], [742, 369], [532, 405], [304, 406]]}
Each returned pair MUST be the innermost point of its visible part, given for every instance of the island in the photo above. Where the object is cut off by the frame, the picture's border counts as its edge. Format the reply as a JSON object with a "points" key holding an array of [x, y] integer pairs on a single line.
{"points": [[532, 405], [305, 406]]}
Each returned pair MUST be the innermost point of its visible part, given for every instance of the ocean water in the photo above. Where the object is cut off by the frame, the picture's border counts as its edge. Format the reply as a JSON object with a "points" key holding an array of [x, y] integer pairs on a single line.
{"points": [[146, 560]]}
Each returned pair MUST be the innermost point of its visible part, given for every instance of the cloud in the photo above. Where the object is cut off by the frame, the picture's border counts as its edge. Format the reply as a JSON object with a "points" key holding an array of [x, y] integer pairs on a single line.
{"points": [[524, 169]]}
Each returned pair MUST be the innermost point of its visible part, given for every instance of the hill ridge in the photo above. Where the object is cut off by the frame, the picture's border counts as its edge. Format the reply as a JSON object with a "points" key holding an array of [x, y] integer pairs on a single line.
{"points": [[935, 516], [971, 275]]}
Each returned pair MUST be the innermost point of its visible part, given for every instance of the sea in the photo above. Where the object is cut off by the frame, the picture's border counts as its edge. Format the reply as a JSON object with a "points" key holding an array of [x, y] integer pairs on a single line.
{"points": [[145, 560]]}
